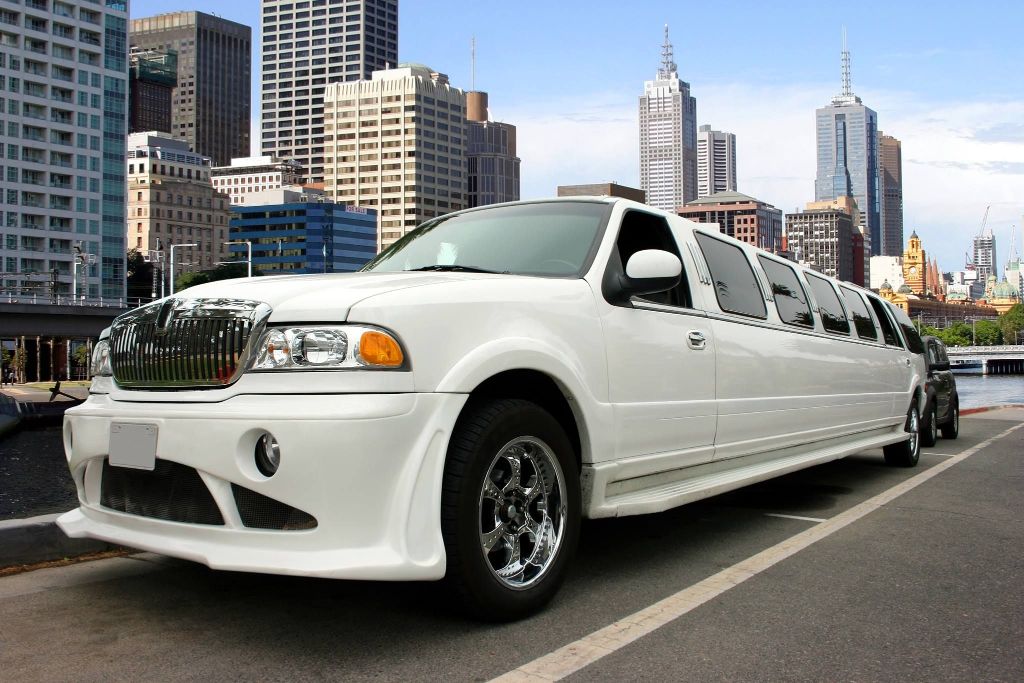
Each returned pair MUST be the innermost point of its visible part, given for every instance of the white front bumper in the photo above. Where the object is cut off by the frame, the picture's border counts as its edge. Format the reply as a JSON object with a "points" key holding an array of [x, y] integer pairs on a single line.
{"points": [[367, 467]]}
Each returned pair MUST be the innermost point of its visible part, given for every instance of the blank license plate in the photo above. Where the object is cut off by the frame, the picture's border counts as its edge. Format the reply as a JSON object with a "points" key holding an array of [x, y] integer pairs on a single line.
{"points": [[133, 445]]}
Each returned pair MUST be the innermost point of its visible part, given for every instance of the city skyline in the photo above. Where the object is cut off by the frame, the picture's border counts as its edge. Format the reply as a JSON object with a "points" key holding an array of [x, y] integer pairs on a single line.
{"points": [[946, 84]]}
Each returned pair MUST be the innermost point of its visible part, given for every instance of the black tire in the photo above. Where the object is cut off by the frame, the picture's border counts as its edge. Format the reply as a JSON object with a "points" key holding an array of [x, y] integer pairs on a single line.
{"points": [[489, 438], [951, 429], [929, 426], [906, 453]]}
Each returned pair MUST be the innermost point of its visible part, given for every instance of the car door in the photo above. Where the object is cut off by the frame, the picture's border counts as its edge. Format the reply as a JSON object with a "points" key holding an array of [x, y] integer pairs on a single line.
{"points": [[661, 358]]}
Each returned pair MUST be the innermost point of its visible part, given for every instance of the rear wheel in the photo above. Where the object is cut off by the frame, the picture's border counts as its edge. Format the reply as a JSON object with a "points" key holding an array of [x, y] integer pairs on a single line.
{"points": [[951, 429], [510, 512], [929, 426], [906, 453]]}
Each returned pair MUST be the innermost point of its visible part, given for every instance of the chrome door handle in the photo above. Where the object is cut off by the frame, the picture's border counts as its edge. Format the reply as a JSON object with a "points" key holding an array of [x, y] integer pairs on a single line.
{"points": [[695, 340], [908, 360]]}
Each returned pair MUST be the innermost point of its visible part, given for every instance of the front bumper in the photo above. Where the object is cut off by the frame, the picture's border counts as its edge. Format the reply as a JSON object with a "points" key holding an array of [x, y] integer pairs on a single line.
{"points": [[367, 467]]}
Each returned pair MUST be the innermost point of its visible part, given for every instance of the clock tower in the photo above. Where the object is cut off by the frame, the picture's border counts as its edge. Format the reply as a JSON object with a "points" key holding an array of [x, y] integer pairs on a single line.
{"points": [[915, 266]]}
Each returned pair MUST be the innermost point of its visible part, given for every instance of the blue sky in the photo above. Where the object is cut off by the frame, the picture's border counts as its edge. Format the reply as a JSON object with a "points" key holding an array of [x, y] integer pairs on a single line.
{"points": [[946, 78]]}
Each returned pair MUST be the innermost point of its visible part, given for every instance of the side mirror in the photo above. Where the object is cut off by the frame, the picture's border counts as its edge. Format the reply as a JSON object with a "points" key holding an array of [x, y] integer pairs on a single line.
{"points": [[647, 272], [939, 367]]}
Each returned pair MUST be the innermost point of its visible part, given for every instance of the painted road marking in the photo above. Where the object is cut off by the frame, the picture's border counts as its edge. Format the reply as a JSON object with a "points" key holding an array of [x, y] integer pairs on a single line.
{"points": [[944, 455], [802, 519], [570, 658]]}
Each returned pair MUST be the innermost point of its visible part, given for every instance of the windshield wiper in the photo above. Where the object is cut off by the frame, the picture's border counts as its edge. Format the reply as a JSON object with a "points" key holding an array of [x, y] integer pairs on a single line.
{"points": [[452, 268]]}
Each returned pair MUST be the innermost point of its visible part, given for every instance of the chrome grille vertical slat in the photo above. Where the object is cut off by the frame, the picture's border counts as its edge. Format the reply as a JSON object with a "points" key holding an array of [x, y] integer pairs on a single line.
{"points": [[204, 343]]}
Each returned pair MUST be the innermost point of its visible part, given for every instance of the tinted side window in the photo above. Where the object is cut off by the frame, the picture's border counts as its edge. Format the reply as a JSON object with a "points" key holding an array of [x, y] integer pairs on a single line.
{"points": [[933, 353], [833, 317], [888, 331], [914, 343], [790, 299], [862, 321], [735, 284]]}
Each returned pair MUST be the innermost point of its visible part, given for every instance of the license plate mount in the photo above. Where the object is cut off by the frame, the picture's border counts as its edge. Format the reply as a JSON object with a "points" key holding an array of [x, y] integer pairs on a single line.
{"points": [[133, 445]]}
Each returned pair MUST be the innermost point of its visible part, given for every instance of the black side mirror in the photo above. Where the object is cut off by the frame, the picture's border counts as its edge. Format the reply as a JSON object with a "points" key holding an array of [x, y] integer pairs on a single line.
{"points": [[939, 367]]}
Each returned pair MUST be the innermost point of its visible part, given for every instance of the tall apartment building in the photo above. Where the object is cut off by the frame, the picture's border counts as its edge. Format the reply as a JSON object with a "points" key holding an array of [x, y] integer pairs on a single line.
{"points": [[716, 162], [306, 47], [250, 175], [826, 240], [847, 144], [63, 113], [299, 231], [985, 262], [668, 137], [492, 167], [397, 144], [172, 201], [152, 77], [738, 215], [212, 102], [890, 182]]}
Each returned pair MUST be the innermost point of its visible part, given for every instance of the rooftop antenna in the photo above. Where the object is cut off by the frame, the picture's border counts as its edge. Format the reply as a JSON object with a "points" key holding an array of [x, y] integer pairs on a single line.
{"points": [[472, 62], [668, 64], [847, 87]]}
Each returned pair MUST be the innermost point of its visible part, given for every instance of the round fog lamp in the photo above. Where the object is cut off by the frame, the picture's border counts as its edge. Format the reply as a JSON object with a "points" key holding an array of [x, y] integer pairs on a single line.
{"points": [[268, 455]]}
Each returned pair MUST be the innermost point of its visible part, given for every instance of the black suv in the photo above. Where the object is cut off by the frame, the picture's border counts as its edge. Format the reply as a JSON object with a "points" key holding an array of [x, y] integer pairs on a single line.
{"points": [[943, 409]]}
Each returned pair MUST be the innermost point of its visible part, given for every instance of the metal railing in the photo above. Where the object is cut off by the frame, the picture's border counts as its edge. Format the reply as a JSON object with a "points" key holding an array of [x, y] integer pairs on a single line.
{"points": [[69, 300]]}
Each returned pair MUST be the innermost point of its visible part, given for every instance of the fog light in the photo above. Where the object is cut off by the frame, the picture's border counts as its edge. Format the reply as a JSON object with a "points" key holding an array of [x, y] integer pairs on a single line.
{"points": [[268, 455]]}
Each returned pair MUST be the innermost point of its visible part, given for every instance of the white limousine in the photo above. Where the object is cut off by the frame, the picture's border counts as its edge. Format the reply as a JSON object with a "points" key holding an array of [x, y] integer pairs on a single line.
{"points": [[455, 409]]}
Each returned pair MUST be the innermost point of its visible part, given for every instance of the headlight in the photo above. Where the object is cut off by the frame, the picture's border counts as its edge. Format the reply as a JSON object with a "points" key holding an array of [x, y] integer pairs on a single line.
{"points": [[327, 348], [101, 358]]}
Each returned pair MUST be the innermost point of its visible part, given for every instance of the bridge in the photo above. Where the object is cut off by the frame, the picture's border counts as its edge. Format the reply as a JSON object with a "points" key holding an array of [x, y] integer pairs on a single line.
{"points": [[46, 333], [990, 360]]}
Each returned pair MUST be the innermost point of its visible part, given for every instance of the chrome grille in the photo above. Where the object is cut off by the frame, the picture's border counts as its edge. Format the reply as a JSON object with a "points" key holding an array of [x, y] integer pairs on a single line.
{"points": [[179, 343]]}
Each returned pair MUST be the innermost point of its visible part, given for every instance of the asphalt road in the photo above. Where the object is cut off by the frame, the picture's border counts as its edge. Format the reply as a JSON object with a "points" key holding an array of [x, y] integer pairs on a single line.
{"points": [[925, 587]]}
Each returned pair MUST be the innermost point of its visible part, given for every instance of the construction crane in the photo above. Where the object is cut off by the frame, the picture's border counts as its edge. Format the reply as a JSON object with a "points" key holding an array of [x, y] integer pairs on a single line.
{"points": [[984, 221]]}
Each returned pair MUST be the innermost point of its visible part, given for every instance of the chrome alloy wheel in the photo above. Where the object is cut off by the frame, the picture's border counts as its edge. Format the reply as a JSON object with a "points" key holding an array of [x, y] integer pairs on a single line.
{"points": [[522, 512], [914, 427]]}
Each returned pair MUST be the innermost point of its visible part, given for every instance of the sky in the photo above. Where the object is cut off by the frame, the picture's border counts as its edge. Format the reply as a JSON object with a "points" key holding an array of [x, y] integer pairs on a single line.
{"points": [[946, 78]]}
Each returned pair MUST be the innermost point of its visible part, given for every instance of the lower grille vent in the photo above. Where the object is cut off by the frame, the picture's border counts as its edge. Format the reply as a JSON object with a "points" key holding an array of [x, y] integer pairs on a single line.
{"points": [[172, 492], [260, 512]]}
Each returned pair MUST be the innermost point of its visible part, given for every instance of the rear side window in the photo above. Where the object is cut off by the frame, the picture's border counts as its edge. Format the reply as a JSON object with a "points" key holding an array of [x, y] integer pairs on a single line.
{"points": [[888, 330], [914, 343], [862, 321], [790, 299], [735, 284], [833, 317]]}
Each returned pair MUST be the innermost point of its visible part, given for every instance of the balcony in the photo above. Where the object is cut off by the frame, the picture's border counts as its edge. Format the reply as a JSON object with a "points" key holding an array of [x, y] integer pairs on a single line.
{"points": [[90, 38], [60, 203]]}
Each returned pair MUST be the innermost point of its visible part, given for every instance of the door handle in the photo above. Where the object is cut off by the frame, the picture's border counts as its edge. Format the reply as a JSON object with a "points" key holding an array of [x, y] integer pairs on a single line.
{"points": [[696, 341], [908, 361]]}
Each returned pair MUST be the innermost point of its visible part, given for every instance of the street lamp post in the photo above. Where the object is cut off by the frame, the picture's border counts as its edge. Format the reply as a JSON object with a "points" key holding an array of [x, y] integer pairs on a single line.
{"points": [[173, 247], [248, 244]]}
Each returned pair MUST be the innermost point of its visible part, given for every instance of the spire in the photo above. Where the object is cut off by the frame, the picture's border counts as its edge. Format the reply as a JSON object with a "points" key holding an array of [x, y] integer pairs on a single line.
{"points": [[846, 96], [847, 87], [668, 64]]}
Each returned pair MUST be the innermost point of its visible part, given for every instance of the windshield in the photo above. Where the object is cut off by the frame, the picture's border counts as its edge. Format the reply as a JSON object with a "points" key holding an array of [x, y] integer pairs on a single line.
{"points": [[543, 238]]}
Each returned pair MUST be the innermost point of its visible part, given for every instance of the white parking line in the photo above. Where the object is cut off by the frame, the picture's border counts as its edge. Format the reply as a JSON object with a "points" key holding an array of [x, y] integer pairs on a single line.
{"points": [[581, 653], [944, 455], [802, 519]]}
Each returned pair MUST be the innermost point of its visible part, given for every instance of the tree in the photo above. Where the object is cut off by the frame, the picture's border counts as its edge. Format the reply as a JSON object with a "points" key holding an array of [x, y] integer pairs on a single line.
{"points": [[140, 276], [224, 271], [191, 279], [1011, 324], [957, 334], [987, 333]]}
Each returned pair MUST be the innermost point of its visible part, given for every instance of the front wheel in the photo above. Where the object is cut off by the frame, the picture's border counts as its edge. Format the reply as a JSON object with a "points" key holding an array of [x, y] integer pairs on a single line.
{"points": [[951, 429], [906, 453], [510, 513], [929, 426]]}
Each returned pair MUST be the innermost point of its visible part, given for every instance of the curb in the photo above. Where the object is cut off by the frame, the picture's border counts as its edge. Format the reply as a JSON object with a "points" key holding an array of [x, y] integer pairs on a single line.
{"points": [[985, 409], [39, 539]]}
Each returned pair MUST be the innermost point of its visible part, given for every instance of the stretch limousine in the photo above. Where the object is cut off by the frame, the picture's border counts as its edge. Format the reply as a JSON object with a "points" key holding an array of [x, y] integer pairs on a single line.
{"points": [[453, 410]]}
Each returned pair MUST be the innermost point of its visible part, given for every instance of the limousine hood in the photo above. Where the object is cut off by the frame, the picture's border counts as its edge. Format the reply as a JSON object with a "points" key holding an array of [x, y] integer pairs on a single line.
{"points": [[319, 298]]}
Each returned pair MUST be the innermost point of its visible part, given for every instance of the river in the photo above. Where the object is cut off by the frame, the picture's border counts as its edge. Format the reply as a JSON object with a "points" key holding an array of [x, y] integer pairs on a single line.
{"points": [[988, 390]]}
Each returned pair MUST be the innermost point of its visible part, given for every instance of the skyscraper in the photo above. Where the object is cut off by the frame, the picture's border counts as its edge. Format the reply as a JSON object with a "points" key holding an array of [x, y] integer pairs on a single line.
{"points": [[716, 162], [213, 99], [985, 262], [668, 137], [890, 170], [397, 143], [63, 94], [847, 143], [304, 49], [492, 167], [153, 75]]}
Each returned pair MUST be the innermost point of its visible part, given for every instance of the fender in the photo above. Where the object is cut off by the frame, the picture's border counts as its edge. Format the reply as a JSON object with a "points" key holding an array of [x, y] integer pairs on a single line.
{"points": [[528, 353]]}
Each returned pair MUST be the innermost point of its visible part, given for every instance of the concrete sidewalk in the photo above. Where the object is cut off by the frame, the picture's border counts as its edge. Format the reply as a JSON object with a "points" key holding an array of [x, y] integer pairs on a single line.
{"points": [[38, 539]]}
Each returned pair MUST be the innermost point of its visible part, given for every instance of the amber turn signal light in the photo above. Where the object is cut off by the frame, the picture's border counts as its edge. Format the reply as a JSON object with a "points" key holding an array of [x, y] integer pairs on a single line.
{"points": [[380, 349]]}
